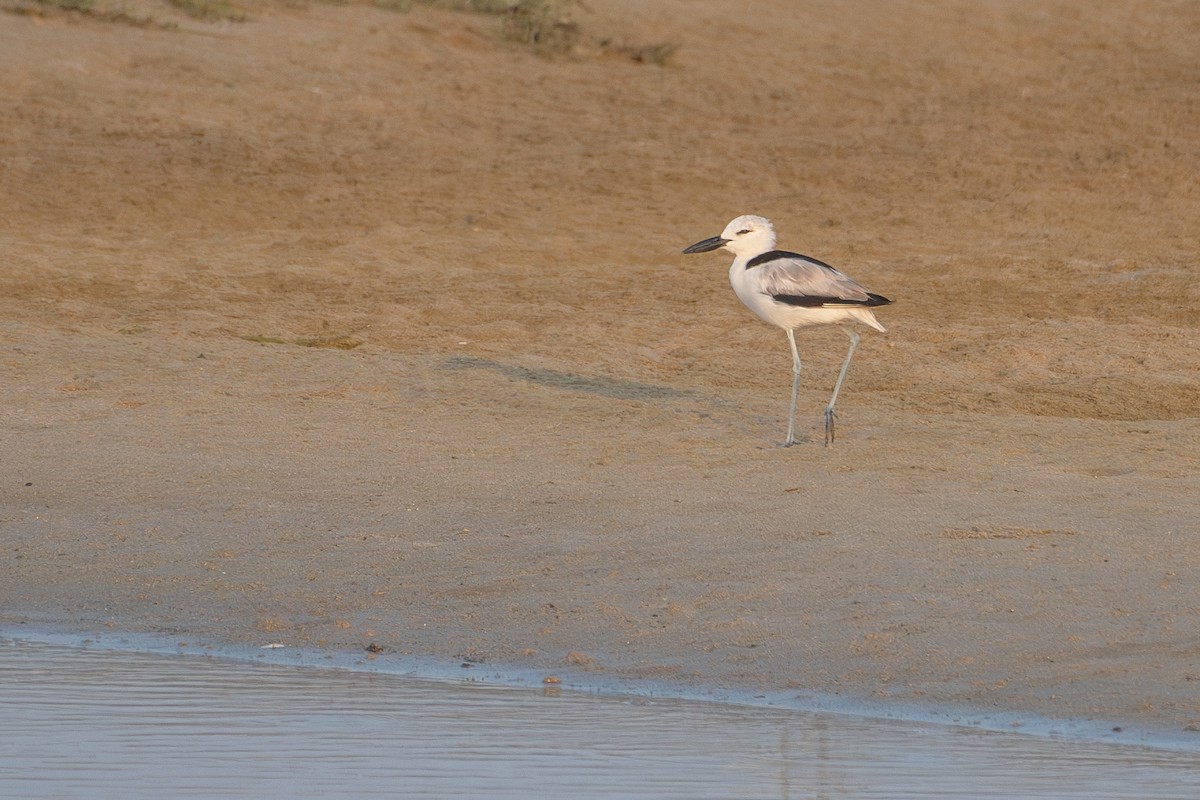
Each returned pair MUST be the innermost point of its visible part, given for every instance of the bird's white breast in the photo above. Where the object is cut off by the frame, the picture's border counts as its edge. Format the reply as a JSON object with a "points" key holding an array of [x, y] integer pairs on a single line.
{"points": [[748, 287]]}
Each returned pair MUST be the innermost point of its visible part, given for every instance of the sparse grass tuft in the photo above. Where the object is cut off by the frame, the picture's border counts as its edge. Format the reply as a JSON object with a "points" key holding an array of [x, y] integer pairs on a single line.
{"points": [[543, 24], [658, 54], [148, 14], [38, 8], [210, 9], [261, 339], [546, 25], [69, 5], [332, 341]]}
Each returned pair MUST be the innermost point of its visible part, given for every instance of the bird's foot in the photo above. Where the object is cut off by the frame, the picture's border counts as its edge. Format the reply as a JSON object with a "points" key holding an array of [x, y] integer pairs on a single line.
{"points": [[830, 433]]}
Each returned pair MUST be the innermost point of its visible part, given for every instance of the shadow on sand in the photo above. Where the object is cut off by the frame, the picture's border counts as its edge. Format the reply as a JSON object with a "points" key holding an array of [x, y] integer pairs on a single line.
{"points": [[569, 382]]}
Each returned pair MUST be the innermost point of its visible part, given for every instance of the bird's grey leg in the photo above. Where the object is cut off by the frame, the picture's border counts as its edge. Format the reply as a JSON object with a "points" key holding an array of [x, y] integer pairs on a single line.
{"points": [[837, 387], [791, 432]]}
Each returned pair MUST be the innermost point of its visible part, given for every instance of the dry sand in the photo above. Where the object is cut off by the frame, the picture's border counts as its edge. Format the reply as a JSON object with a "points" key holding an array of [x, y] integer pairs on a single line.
{"points": [[554, 445]]}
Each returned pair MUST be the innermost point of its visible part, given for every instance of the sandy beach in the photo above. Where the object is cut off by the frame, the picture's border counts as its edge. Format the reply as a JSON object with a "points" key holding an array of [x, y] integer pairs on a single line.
{"points": [[342, 326]]}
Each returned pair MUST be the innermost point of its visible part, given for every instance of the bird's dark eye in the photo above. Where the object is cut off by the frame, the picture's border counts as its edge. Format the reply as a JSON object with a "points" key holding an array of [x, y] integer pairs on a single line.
{"points": [[743, 231]]}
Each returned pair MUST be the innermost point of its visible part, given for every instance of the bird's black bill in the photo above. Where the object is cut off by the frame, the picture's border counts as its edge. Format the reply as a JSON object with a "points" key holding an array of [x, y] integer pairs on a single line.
{"points": [[708, 244]]}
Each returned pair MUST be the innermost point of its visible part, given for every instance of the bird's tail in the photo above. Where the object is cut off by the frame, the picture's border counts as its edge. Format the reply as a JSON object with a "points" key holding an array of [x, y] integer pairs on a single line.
{"points": [[866, 317]]}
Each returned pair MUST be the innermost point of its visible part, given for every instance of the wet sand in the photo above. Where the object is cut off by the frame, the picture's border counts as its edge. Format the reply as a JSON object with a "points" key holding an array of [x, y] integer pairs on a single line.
{"points": [[338, 326]]}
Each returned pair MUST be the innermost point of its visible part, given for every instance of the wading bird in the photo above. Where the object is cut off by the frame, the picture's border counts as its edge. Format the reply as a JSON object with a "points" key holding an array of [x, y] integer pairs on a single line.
{"points": [[792, 291]]}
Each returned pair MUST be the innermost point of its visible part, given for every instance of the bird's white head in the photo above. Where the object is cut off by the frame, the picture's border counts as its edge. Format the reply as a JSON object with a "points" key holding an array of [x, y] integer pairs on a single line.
{"points": [[747, 235]]}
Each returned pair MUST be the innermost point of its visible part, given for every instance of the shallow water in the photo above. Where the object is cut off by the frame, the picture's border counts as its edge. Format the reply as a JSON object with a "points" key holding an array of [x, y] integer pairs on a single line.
{"points": [[85, 723]]}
